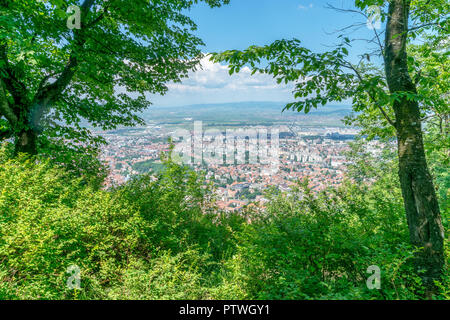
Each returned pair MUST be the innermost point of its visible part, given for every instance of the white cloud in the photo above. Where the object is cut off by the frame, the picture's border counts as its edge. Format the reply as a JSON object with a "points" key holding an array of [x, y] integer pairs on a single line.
{"points": [[212, 83], [214, 77], [304, 7]]}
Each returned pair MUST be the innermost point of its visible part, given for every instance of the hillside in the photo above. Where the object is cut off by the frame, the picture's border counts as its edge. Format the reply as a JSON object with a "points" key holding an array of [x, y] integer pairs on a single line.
{"points": [[246, 112]]}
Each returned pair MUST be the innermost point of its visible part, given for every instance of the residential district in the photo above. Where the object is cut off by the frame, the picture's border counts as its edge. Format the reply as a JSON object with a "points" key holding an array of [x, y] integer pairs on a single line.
{"points": [[241, 178]]}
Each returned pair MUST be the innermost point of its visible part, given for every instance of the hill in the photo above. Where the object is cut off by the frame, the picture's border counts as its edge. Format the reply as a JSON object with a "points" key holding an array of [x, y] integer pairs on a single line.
{"points": [[240, 113]]}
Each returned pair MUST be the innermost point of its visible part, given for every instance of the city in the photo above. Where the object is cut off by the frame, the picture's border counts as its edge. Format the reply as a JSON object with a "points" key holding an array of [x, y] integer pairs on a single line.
{"points": [[315, 153]]}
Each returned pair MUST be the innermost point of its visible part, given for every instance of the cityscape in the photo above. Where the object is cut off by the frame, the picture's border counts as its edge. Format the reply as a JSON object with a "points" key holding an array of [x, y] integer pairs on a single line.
{"points": [[223, 155], [316, 152]]}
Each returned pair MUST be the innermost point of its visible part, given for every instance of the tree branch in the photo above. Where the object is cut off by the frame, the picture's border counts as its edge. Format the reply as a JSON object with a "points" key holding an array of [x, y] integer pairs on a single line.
{"points": [[5, 109], [5, 134], [14, 86], [372, 97], [424, 26], [48, 94]]}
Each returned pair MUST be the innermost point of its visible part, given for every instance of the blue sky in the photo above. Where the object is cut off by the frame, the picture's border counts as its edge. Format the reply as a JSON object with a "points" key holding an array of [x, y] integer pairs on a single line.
{"points": [[246, 22]]}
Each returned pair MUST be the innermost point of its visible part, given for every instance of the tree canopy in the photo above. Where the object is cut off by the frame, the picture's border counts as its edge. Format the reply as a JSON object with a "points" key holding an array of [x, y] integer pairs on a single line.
{"points": [[54, 74]]}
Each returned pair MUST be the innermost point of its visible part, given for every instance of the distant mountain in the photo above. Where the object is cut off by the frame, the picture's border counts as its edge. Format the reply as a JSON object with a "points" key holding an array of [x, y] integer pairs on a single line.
{"points": [[254, 112], [264, 105]]}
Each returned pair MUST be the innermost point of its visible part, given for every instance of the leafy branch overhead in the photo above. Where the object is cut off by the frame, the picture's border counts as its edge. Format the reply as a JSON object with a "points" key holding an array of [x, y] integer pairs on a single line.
{"points": [[321, 78], [52, 76]]}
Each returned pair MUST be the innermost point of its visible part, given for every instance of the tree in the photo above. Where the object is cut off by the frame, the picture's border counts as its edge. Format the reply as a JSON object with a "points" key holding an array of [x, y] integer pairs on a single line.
{"points": [[430, 68], [66, 62], [387, 96]]}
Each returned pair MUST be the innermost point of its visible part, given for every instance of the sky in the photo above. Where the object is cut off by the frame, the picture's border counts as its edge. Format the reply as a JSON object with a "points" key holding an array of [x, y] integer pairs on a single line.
{"points": [[255, 22]]}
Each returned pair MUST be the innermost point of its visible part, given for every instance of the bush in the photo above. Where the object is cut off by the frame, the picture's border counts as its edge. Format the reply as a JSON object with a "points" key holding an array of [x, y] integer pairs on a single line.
{"points": [[120, 239], [165, 239], [309, 246]]}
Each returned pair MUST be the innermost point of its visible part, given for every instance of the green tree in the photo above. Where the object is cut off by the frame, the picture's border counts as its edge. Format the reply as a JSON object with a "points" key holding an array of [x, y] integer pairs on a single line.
{"points": [[429, 66], [54, 73], [147, 239], [385, 93]]}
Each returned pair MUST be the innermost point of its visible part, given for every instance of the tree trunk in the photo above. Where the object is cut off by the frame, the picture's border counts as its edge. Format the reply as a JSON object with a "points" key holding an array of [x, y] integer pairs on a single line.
{"points": [[421, 205], [26, 142], [422, 209]]}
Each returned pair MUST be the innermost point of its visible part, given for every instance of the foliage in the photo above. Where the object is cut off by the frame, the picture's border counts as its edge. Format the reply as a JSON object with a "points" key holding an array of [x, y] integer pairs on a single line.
{"points": [[164, 238], [429, 64], [384, 94], [309, 247], [54, 79], [49, 221], [321, 78]]}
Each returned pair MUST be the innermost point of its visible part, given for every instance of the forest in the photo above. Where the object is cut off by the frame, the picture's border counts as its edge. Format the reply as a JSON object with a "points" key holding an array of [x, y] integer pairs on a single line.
{"points": [[160, 235]]}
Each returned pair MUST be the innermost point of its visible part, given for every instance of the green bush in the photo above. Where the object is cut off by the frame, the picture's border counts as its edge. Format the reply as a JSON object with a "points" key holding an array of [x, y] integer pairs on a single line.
{"points": [[49, 222], [308, 246]]}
